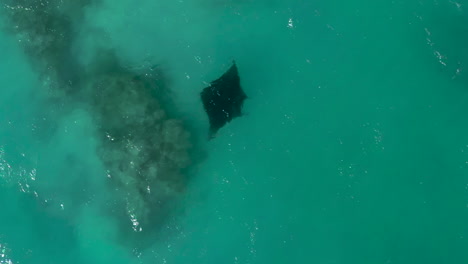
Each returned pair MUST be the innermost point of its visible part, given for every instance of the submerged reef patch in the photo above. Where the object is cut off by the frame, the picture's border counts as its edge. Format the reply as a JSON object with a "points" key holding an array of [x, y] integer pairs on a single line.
{"points": [[143, 145], [143, 148], [47, 37]]}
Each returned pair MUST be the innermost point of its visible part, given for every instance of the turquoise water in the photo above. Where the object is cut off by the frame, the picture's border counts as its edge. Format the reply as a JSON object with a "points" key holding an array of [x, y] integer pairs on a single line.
{"points": [[354, 147]]}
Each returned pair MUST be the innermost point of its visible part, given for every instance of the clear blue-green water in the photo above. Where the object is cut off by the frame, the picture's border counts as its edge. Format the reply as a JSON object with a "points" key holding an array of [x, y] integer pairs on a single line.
{"points": [[353, 149]]}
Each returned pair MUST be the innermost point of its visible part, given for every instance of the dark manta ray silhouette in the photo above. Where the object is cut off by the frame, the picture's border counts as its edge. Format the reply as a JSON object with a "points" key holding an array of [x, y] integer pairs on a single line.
{"points": [[223, 99]]}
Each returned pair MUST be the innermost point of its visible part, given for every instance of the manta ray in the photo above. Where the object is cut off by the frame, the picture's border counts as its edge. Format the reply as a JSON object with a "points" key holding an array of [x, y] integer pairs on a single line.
{"points": [[223, 99]]}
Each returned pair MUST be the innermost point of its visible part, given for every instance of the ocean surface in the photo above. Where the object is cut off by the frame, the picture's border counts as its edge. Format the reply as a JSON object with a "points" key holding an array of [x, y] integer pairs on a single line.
{"points": [[353, 147]]}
